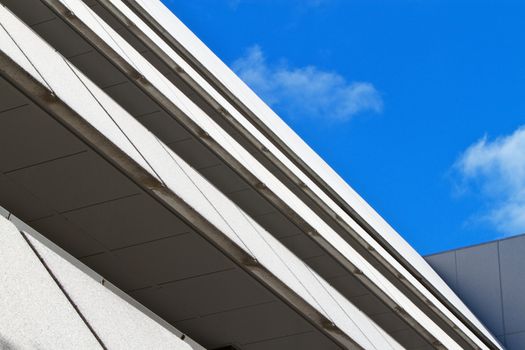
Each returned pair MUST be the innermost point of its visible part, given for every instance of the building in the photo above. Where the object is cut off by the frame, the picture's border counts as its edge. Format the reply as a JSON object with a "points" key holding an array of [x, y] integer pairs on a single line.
{"points": [[490, 278], [157, 202]]}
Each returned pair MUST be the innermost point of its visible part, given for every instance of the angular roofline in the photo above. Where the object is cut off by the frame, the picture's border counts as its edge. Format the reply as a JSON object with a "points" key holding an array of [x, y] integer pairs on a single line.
{"points": [[519, 235], [143, 83], [303, 166]]}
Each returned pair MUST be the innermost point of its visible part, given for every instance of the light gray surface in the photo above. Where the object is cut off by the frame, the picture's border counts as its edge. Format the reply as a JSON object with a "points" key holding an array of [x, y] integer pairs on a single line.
{"points": [[490, 278], [478, 270], [512, 260], [34, 318], [445, 263]]}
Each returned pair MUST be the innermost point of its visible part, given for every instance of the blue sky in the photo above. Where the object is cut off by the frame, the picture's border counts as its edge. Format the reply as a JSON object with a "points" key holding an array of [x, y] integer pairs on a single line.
{"points": [[418, 104]]}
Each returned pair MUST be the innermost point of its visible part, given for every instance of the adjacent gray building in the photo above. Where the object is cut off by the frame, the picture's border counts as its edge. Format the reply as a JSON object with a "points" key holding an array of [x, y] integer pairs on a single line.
{"points": [[490, 279]]}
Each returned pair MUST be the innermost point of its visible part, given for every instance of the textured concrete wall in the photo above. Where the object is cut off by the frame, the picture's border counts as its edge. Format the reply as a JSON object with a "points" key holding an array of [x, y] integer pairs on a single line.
{"points": [[490, 278]]}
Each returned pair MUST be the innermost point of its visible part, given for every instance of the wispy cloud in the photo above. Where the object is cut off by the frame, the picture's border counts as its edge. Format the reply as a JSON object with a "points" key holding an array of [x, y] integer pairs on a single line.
{"points": [[234, 4], [304, 4], [496, 169], [306, 91]]}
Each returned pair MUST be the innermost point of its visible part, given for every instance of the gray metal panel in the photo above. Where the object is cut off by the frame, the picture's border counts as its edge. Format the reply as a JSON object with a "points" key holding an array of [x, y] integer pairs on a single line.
{"points": [[512, 256], [515, 341], [445, 266], [478, 277], [493, 287]]}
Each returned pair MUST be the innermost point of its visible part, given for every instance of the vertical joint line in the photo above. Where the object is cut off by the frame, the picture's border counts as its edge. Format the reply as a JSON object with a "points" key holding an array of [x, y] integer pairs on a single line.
{"points": [[64, 291], [501, 295]]}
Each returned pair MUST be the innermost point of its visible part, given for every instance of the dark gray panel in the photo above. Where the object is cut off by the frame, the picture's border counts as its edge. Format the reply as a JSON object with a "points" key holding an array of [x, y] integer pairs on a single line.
{"points": [[195, 153], [512, 257], [103, 14], [127, 221], [410, 339], [129, 96], [304, 341], [173, 258], [156, 62], [92, 62], [32, 137], [251, 202], [302, 246], [479, 283], [203, 295], [348, 285], [66, 235], [21, 202], [39, 12], [326, 266], [115, 271], [424, 347], [278, 225], [445, 266], [11, 98], [130, 38], [164, 127], [370, 304], [224, 178], [390, 322], [61, 37], [250, 324], [76, 181]]}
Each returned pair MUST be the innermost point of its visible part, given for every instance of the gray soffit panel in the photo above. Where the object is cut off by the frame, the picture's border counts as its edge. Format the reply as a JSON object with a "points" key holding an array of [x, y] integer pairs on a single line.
{"points": [[413, 316], [166, 59], [117, 160], [203, 61]]}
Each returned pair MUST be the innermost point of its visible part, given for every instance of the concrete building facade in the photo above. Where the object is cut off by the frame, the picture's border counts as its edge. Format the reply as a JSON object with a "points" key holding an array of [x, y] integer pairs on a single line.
{"points": [[142, 183]]}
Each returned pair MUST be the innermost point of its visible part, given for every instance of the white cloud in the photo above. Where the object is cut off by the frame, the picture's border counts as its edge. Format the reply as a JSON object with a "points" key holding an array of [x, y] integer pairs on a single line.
{"points": [[234, 4], [306, 91], [497, 170]]}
